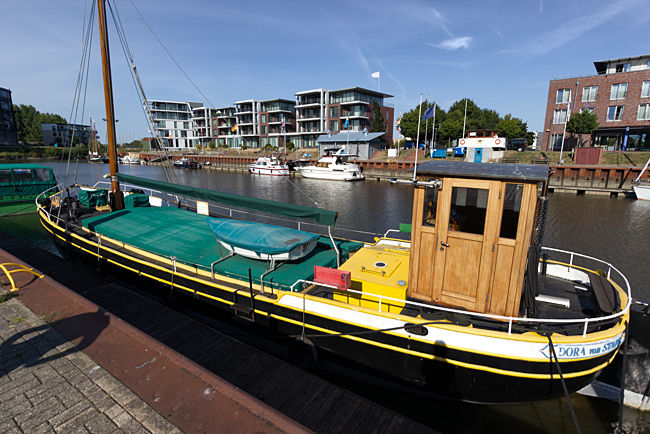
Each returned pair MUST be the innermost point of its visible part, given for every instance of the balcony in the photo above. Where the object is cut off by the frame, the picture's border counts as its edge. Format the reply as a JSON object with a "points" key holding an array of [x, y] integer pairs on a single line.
{"points": [[308, 104], [354, 102]]}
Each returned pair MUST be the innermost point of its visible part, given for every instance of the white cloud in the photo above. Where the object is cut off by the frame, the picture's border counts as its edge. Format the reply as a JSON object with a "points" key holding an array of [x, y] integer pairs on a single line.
{"points": [[454, 43], [575, 28]]}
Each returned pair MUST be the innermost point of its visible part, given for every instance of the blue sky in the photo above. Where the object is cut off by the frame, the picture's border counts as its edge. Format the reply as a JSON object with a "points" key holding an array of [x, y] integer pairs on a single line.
{"points": [[500, 53]]}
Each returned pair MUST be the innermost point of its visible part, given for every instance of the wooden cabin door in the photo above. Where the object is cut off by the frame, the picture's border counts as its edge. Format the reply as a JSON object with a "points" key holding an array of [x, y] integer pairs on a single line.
{"points": [[468, 215]]}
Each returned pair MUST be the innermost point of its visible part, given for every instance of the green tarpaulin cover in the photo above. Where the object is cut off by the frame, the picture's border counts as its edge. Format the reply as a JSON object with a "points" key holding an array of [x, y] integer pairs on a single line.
{"points": [[136, 200], [93, 198], [322, 216], [185, 235], [259, 237], [24, 181]]}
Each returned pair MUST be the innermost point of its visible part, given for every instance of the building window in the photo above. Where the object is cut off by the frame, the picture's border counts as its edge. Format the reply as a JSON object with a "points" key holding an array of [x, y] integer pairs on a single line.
{"points": [[263, 129], [589, 93], [559, 116], [619, 91], [644, 113], [562, 96], [614, 113], [556, 142], [263, 119], [587, 109], [334, 112], [334, 126], [645, 89], [623, 67]]}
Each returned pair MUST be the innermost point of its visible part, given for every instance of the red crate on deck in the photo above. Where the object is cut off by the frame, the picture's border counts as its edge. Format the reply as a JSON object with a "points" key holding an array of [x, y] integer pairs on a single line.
{"points": [[331, 276]]}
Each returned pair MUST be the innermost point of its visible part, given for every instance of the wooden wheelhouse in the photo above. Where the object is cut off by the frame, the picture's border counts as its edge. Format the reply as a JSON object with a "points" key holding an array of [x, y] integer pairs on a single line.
{"points": [[471, 230]]}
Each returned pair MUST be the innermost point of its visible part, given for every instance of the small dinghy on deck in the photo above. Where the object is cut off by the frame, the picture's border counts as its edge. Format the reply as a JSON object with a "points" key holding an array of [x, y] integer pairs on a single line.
{"points": [[262, 241]]}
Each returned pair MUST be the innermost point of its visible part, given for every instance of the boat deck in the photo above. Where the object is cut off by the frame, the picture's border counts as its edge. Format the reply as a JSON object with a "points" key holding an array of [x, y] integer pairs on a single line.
{"points": [[183, 234]]}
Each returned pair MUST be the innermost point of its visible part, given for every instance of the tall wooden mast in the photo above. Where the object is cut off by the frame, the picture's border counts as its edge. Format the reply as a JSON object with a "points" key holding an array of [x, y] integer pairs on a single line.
{"points": [[118, 197]]}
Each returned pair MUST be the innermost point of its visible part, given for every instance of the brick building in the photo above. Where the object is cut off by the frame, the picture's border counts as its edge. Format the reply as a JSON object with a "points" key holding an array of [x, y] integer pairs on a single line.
{"points": [[619, 95]]}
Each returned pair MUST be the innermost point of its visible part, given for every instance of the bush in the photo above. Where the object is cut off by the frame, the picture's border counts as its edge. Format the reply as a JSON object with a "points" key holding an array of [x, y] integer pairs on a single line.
{"points": [[290, 146], [268, 147], [244, 147]]}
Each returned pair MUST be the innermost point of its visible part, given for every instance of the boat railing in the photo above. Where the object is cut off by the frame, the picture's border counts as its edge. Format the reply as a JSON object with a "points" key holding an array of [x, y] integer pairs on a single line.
{"points": [[239, 213], [612, 272]]}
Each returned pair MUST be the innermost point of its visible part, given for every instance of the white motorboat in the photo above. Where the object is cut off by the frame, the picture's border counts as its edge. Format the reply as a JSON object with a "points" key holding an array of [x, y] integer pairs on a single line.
{"points": [[269, 166], [642, 187], [333, 166], [130, 159]]}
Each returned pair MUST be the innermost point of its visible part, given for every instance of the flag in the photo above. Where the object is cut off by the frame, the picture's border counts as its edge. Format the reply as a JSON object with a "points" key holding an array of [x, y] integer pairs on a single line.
{"points": [[347, 120], [234, 128], [282, 124], [568, 111], [428, 113], [375, 74]]}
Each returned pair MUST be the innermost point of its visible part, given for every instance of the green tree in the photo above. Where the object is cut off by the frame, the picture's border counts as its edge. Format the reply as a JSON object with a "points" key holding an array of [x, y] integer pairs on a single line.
{"points": [[511, 127], [409, 123], [377, 125], [452, 126], [582, 123], [211, 145], [29, 120]]}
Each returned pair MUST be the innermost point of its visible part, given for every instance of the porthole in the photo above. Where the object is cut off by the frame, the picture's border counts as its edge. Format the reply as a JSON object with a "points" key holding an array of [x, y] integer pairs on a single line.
{"points": [[380, 264]]}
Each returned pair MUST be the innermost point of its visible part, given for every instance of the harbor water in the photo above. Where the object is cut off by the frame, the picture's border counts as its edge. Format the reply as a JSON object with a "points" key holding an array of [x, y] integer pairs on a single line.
{"points": [[616, 230]]}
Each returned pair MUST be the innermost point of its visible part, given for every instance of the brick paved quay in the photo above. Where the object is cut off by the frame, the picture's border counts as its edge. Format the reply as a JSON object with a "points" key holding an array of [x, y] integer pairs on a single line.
{"points": [[48, 385], [67, 365]]}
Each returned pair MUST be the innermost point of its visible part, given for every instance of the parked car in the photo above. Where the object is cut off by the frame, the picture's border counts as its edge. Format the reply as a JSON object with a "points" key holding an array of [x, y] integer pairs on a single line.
{"points": [[411, 145], [518, 144]]}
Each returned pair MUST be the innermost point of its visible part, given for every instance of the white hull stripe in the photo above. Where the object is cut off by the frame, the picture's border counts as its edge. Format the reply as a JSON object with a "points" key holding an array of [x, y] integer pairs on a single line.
{"points": [[498, 347]]}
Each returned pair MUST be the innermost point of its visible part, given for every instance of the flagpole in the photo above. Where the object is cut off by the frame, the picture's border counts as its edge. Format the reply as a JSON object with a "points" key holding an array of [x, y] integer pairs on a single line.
{"points": [[417, 140], [426, 131], [566, 121], [433, 126], [464, 118]]}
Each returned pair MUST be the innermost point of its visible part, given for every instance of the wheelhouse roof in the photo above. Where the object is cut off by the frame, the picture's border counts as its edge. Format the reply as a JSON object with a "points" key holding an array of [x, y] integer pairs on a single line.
{"points": [[506, 172], [24, 166]]}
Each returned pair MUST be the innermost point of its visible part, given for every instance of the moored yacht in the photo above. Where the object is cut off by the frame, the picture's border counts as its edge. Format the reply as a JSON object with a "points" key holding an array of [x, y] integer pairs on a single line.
{"points": [[333, 165], [269, 166]]}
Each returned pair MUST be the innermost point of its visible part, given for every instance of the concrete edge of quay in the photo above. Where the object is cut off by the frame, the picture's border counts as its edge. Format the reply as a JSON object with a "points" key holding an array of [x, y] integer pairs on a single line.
{"points": [[47, 295]]}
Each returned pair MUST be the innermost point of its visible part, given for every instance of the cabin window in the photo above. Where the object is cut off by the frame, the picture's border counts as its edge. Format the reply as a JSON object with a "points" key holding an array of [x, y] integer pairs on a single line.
{"points": [[468, 209], [511, 208], [5, 176], [22, 175], [41, 175], [430, 205]]}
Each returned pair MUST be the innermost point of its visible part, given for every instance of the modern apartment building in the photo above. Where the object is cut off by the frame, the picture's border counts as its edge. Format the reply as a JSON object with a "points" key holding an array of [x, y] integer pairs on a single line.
{"points": [[204, 125], [173, 121], [321, 111], [619, 95], [254, 123], [277, 121], [226, 130], [247, 116], [61, 134], [8, 135]]}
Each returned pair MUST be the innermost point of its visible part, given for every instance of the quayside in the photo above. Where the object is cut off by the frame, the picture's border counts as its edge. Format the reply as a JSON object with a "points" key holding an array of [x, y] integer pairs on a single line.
{"points": [[463, 303]]}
